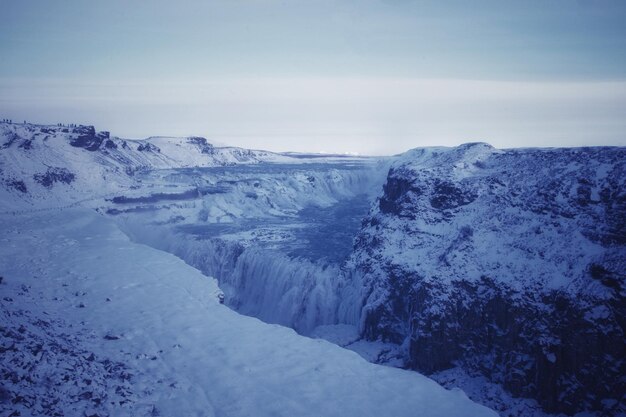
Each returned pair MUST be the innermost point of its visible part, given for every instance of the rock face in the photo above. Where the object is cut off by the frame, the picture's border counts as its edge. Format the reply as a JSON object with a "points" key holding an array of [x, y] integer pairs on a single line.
{"points": [[147, 147], [87, 138], [510, 264], [202, 144], [51, 176]]}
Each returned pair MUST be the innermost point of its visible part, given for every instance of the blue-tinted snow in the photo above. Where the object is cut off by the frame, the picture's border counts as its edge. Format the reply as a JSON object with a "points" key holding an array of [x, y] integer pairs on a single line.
{"points": [[137, 332]]}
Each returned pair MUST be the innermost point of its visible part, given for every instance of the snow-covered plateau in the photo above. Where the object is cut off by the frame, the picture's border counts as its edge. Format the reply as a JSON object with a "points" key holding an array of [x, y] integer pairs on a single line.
{"points": [[499, 272]]}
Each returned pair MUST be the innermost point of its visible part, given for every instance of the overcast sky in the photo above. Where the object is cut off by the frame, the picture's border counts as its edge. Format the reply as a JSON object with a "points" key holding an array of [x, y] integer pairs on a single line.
{"points": [[369, 77]]}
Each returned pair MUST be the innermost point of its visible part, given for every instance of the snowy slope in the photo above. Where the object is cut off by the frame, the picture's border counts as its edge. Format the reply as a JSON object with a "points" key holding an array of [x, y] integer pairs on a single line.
{"points": [[93, 324], [198, 152], [507, 263], [49, 166]]}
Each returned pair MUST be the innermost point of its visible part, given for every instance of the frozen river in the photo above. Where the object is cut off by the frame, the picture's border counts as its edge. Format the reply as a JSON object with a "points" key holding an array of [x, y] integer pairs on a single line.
{"points": [[322, 234]]}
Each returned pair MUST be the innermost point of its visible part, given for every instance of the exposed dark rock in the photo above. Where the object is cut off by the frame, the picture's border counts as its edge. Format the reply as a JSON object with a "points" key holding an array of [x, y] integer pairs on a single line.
{"points": [[19, 185], [447, 196], [533, 349], [109, 144], [87, 138], [27, 144], [201, 144], [54, 175], [148, 147], [398, 191], [12, 138], [43, 358], [185, 195]]}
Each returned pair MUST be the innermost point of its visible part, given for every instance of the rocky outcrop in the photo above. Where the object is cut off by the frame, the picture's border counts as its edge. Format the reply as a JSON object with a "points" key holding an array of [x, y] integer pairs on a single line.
{"points": [[10, 140], [38, 353], [54, 175], [148, 147], [507, 263], [17, 185], [202, 145], [87, 138]]}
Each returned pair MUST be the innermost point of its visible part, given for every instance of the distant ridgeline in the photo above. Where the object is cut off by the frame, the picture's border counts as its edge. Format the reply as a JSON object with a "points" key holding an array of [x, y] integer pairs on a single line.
{"points": [[77, 161]]}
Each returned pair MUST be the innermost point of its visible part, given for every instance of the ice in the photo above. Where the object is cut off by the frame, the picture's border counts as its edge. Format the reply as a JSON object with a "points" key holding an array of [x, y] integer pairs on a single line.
{"points": [[274, 235], [339, 334]]}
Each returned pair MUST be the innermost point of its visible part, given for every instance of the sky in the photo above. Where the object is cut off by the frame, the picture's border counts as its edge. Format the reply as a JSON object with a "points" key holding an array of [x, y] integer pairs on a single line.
{"points": [[368, 77]]}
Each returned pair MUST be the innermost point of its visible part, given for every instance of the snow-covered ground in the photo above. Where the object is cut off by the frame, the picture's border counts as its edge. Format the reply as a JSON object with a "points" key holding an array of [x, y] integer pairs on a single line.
{"points": [[94, 324], [477, 387]]}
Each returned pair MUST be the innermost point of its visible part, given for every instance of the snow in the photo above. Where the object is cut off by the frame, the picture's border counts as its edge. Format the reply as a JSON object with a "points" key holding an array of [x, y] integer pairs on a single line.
{"points": [[28, 150], [241, 216], [493, 395], [534, 225], [185, 353]]}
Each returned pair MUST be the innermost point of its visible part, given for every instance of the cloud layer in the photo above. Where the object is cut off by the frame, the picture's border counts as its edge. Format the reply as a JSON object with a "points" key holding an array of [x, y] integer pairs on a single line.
{"points": [[370, 115]]}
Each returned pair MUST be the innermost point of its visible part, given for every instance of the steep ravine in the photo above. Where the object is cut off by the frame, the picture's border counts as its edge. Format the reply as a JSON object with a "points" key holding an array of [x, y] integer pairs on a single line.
{"points": [[278, 259], [467, 259]]}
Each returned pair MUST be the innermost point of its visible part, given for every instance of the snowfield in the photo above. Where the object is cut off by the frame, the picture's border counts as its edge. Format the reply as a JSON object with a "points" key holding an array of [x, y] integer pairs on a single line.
{"points": [[93, 324]]}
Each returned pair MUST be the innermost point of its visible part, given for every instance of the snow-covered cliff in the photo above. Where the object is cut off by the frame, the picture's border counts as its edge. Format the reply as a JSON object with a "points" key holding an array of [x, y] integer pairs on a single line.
{"points": [[507, 263]]}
